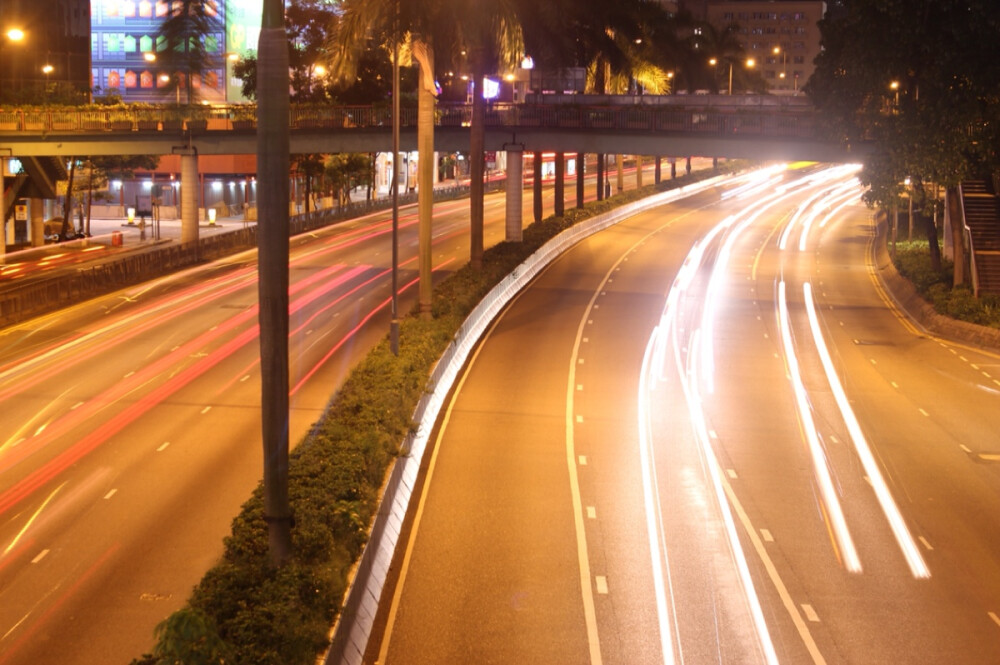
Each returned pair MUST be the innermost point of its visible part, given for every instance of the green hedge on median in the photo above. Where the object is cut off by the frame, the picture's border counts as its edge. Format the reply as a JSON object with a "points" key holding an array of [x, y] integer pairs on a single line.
{"points": [[246, 612]]}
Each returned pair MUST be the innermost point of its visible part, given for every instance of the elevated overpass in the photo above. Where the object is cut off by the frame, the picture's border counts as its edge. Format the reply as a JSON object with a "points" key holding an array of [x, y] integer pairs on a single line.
{"points": [[750, 127]]}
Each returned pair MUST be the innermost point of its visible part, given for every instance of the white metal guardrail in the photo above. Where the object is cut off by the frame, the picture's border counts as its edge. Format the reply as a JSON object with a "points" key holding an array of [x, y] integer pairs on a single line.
{"points": [[354, 624]]}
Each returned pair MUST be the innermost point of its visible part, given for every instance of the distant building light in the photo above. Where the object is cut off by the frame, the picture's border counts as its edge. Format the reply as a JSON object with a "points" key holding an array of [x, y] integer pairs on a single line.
{"points": [[527, 63]]}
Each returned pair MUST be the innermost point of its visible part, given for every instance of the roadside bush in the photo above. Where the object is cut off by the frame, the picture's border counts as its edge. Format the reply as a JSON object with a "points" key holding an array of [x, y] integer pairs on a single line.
{"points": [[913, 262], [267, 616]]}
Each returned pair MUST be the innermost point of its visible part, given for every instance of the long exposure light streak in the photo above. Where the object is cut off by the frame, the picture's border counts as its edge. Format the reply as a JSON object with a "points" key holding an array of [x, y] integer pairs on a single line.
{"points": [[918, 567], [821, 469]]}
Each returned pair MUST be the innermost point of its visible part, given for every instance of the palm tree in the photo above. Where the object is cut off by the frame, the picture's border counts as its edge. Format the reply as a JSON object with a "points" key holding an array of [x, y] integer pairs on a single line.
{"points": [[272, 260], [415, 23], [183, 41], [493, 39]]}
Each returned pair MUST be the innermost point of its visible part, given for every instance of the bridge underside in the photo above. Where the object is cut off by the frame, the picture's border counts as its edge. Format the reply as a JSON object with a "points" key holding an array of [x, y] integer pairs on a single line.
{"points": [[446, 139]]}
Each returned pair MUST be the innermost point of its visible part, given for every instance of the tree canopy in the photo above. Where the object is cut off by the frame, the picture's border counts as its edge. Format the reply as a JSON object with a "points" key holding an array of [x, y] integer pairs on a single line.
{"points": [[920, 79]]}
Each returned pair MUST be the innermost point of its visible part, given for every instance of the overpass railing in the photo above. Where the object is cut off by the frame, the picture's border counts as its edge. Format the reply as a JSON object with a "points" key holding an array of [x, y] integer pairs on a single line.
{"points": [[787, 122]]}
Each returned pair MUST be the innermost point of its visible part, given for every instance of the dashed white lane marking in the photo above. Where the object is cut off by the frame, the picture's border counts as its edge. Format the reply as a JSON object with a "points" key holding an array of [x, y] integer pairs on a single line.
{"points": [[175, 348], [244, 378], [579, 386], [766, 536], [833, 438], [128, 375], [810, 613], [41, 429], [111, 494], [923, 541], [873, 361], [163, 446], [963, 359], [591, 512], [602, 584], [76, 406], [579, 361], [206, 409], [586, 339], [712, 434], [924, 413], [995, 618], [583, 460], [17, 443], [965, 448], [40, 556], [894, 384], [974, 366], [731, 473], [579, 419]]}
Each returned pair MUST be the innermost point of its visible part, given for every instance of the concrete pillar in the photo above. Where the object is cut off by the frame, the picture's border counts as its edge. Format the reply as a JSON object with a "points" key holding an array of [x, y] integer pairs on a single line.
{"points": [[580, 166], [515, 192], [189, 198], [36, 210], [638, 171], [620, 160], [687, 166], [560, 193], [673, 168], [600, 177], [536, 160], [715, 163], [657, 171]]}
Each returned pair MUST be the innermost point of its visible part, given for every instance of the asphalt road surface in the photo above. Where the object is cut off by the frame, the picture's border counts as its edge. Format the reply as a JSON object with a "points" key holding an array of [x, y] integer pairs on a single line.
{"points": [[130, 433], [706, 435]]}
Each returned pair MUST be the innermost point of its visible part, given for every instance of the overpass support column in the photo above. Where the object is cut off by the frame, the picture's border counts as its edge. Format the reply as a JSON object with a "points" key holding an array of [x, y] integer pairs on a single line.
{"points": [[36, 213], [638, 171], [620, 160], [600, 177], [657, 172], [673, 168], [189, 198], [515, 191], [560, 193], [536, 185], [687, 167], [580, 167]]}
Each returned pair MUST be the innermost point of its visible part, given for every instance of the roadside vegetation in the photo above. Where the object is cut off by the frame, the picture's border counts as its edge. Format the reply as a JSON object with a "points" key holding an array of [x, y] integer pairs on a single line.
{"points": [[913, 261], [246, 610]]}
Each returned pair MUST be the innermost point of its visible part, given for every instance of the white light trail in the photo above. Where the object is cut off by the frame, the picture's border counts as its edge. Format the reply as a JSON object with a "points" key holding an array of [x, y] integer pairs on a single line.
{"points": [[906, 542], [820, 466]]}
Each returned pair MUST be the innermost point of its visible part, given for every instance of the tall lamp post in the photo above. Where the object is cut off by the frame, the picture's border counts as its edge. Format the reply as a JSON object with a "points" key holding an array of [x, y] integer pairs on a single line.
{"points": [[750, 64], [784, 61]]}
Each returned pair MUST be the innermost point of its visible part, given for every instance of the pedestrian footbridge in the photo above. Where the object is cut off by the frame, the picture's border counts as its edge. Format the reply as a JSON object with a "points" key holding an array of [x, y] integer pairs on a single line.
{"points": [[740, 127]]}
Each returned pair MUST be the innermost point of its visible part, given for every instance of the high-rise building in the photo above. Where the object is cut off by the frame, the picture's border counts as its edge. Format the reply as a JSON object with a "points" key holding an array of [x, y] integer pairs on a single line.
{"points": [[124, 49], [782, 37]]}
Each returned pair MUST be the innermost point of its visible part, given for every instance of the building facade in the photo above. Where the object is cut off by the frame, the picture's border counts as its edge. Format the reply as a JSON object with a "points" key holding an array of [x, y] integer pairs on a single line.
{"points": [[782, 37]]}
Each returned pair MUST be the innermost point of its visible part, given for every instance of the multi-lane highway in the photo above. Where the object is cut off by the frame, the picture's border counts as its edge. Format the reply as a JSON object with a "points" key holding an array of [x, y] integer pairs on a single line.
{"points": [[707, 436], [129, 434]]}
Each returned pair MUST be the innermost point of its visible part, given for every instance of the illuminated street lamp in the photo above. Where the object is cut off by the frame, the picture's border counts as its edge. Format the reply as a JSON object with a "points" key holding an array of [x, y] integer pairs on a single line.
{"points": [[784, 60], [15, 34], [750, 64], [47, 69]]}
